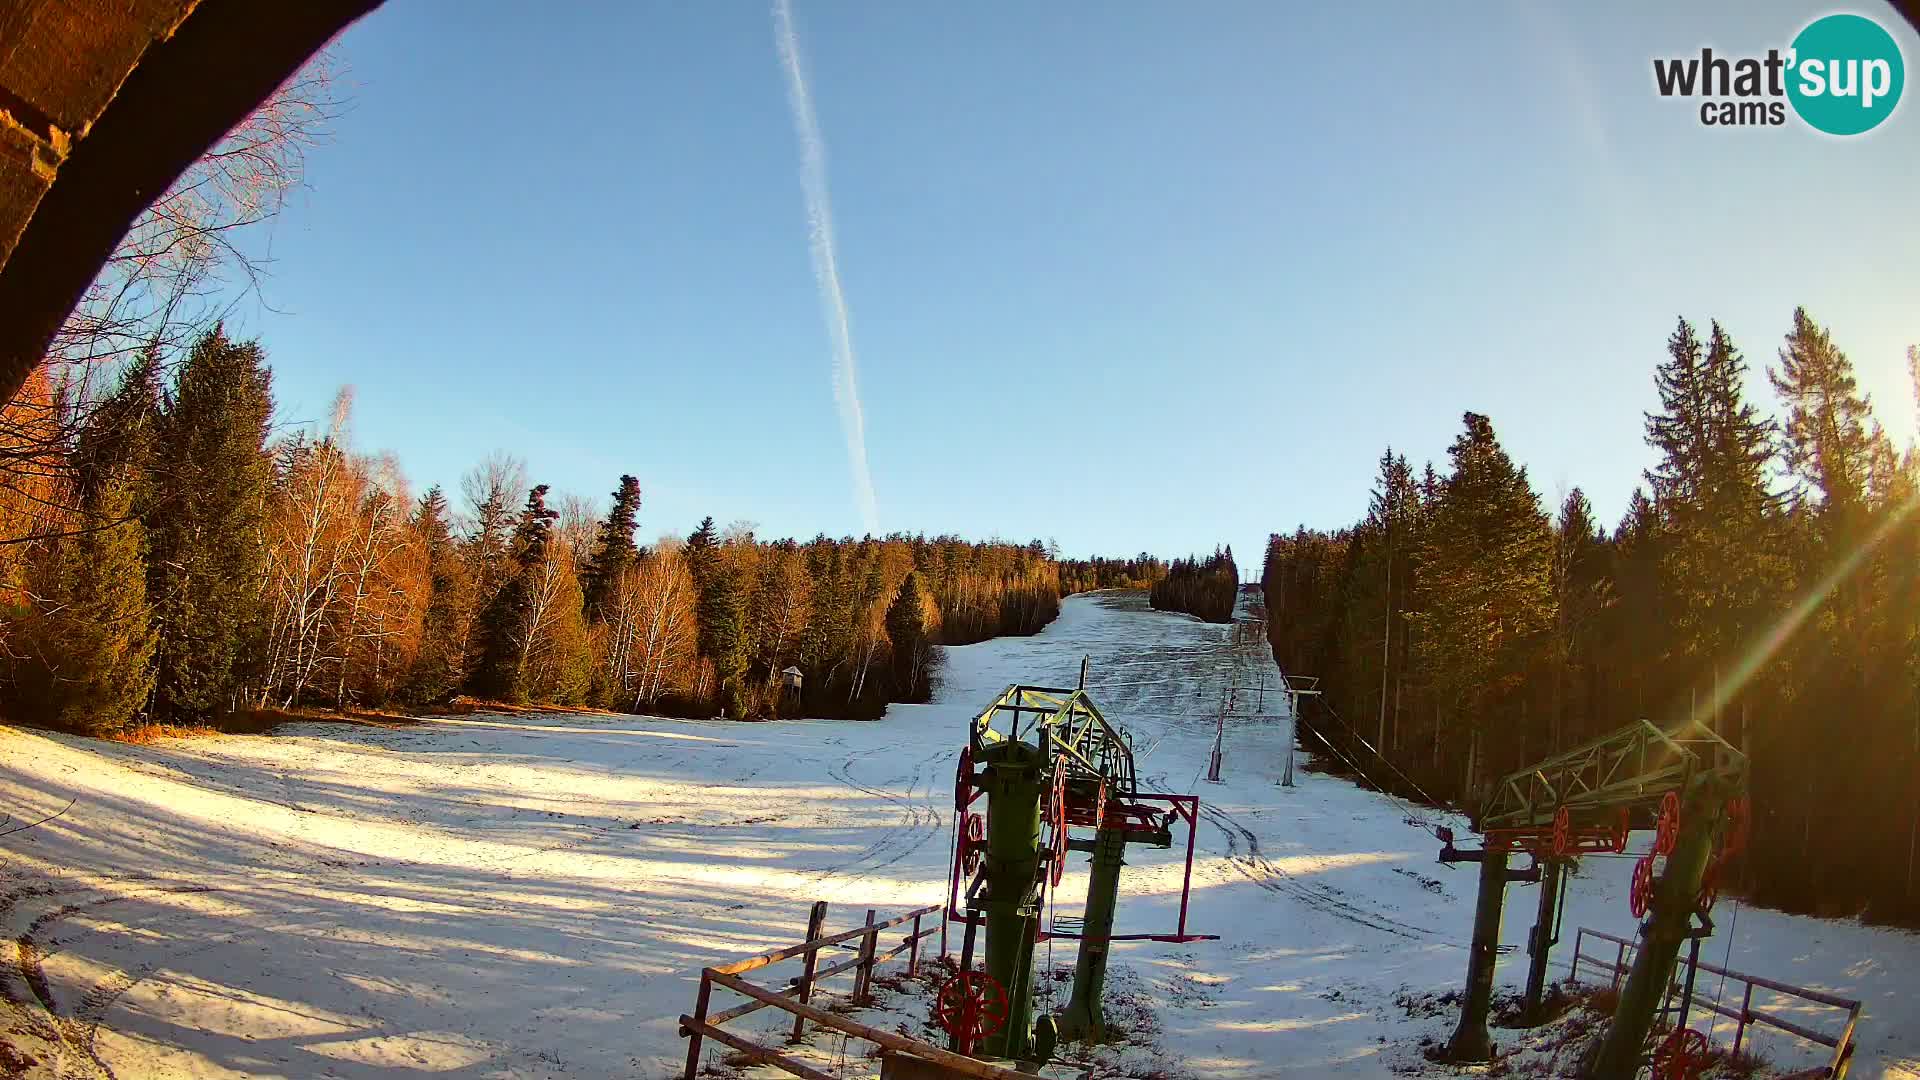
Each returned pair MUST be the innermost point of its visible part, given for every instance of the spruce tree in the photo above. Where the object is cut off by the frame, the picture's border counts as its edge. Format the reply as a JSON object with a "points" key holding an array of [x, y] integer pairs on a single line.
{"points": [[440, 666], [100, 633], [86, 658], [909, 636], [210, 476], [1830, 437], [1711, 488], [503, 630], [1484, 569], [613, 549]]}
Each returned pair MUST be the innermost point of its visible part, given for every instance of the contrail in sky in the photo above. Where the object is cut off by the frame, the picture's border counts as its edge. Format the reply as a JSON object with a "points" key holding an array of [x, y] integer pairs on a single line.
{"points": [[826, 263]]}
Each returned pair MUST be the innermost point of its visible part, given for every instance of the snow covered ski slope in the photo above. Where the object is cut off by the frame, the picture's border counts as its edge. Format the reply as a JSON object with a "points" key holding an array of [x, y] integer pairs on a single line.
{"points": [[504, 896]]}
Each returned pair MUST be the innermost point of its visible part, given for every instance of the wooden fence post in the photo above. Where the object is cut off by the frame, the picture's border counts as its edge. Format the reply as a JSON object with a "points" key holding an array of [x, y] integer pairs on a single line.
{"points": [[816, 924], [913, 951], [700, 1014], [863, 973]]}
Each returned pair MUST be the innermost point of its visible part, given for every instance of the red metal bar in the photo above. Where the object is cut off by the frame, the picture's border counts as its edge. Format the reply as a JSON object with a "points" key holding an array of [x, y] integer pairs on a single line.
{"points": [[1174, 938], [1186, 880]]}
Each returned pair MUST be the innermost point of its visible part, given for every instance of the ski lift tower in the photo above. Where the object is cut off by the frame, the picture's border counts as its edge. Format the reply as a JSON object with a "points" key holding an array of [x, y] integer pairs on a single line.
{"points": [[1687, 784], [1294, 694], [1047, 763]]}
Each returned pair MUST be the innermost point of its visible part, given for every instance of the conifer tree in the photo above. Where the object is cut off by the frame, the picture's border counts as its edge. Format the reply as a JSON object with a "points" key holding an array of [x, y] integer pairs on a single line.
{"points": [[207, 562], [1484, 566], [1711, 489], [101, 626], [441, 664], [87, 659], [908, 635], [613, 549], [1830, 438], [504, 629]]}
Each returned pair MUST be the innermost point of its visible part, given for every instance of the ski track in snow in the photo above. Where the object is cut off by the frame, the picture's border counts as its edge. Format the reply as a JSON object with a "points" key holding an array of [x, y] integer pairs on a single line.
{"points": [[505, 896]]}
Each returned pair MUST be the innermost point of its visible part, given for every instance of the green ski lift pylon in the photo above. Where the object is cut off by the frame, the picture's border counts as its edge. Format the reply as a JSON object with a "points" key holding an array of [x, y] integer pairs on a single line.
{"points": [[1587, 800], [1047, 762]]}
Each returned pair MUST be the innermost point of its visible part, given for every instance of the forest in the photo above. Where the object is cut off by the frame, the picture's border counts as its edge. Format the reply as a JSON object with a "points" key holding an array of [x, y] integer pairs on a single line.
{"points": [[179, 563], [1205, 587], [1765, 579], [1086, 575]]}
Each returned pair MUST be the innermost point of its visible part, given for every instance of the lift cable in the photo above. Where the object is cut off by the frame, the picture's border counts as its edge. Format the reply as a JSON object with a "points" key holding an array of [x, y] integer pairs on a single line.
{"points": [[1413, 818], [1422, 792]]}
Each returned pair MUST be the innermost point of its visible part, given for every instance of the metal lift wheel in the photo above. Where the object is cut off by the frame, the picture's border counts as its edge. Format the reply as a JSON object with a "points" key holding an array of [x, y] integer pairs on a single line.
{"points": [[963, 781], [972, 844], [1058, 812], [1562, 831], [1620, 832], [1709, 888], [1640, 897], [970, 1005], [1681, 1056], [1666, 831]]}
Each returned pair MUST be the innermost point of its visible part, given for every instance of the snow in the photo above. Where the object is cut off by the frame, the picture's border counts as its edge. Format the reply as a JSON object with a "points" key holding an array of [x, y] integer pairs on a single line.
{"points": [[510, 896]]}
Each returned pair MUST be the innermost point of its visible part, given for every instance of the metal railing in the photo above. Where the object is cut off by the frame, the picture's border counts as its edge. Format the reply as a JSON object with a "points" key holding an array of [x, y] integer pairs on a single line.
{"points": [[796, 996], [1841, 1043]]}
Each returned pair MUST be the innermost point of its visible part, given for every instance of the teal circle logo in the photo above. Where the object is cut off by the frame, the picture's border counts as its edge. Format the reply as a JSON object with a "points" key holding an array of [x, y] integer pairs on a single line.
{"points": [[1845, 74]]}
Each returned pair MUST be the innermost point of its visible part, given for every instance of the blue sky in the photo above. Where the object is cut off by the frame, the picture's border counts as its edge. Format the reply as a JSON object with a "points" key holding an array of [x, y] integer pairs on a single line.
{"points": [[1135, 276]]}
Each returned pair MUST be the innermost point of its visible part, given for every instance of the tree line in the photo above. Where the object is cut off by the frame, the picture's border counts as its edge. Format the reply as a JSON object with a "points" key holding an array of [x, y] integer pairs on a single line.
{"points": [[176, 560], [1764, 579], [1206, 587], [1140, 571]]}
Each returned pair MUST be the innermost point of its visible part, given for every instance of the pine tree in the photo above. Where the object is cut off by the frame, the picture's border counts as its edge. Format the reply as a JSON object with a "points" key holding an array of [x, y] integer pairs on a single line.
{"points": [[441, 664], [504, 627], [722, 614], [1484, 567], [613, 550], [210, 477], [103, 669], [1711, 489], [909, 623], [87, 659], [1830, 437], [1581, 590]]}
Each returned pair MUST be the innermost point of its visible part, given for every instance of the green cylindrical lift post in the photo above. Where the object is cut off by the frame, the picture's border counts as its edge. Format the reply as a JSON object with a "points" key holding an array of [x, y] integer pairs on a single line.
{"points": [[1470, 1041], [1540, 943], [1083, 1018], [1014, 782], [1666, 927]]}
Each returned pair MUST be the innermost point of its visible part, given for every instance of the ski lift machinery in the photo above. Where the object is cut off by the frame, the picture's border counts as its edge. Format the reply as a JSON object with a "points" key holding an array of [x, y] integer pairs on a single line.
{"points": [[1054, 777]]}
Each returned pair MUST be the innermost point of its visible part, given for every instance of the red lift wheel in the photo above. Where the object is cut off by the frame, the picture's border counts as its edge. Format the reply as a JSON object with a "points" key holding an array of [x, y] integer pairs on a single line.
{"points": [[1620, 832], [1640, 898], [1709, 888], [1739, 826], [1100, 811], [1057, 813], [969, 1006], [1681, 1056], [1562, 831], [1666, 831], [972, 843], [963, 781]]}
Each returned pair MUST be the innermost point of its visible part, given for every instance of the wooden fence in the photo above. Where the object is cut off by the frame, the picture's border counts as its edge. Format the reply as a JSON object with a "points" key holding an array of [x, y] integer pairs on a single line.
{"points": [[1841, 1042], [795, 998]]}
